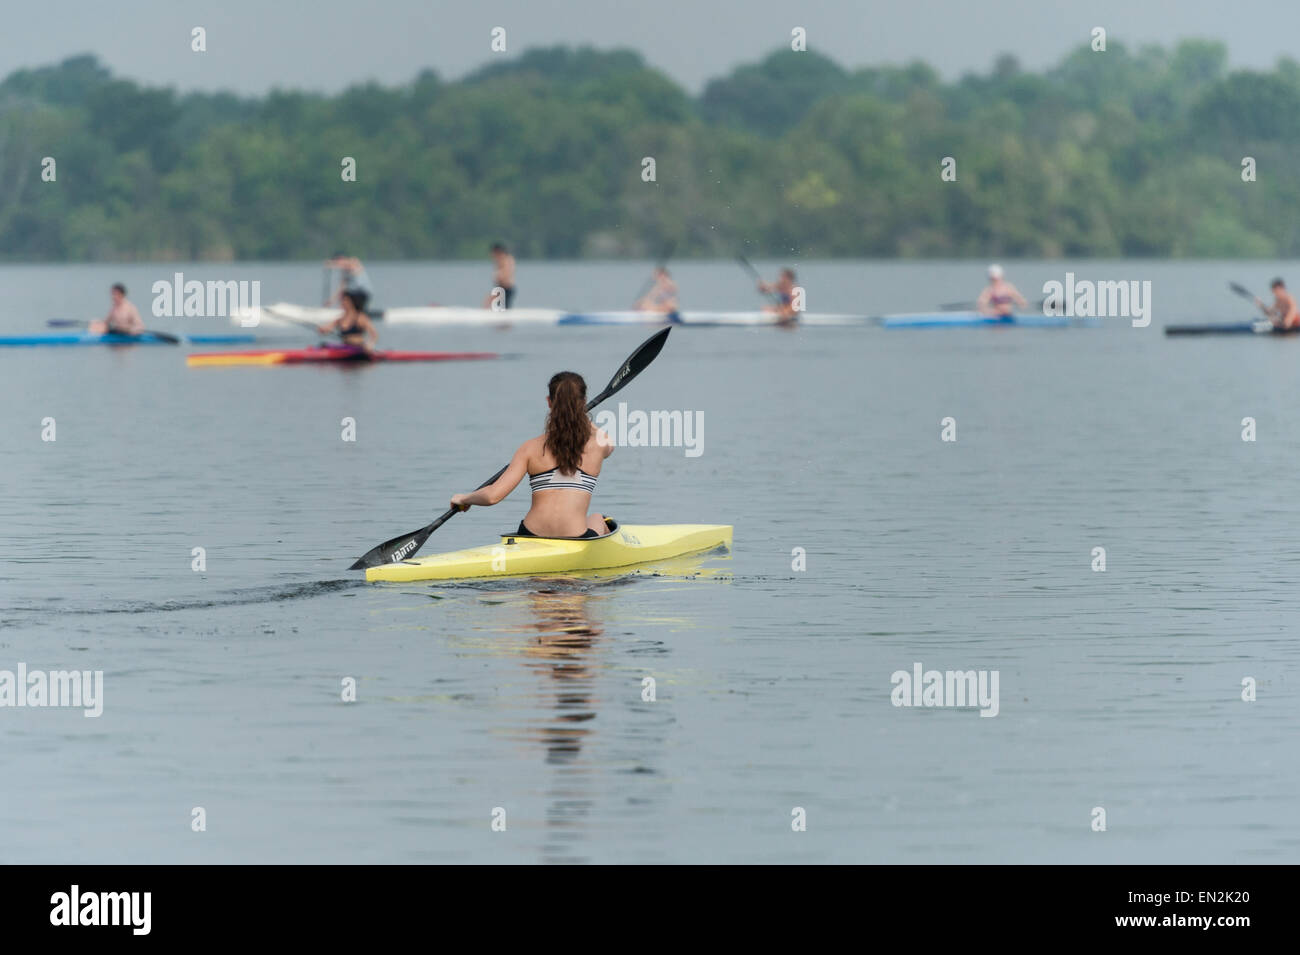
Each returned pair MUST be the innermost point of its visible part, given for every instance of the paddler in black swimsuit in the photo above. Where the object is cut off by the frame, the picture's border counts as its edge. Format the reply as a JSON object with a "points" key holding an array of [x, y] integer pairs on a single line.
{"points": [[782, 290], [353, 327]]}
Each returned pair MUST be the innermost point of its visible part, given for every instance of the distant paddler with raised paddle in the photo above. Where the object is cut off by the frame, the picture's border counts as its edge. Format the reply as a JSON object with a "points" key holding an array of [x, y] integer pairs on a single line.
{"points": [[1281, 315], [353, 327], [533, 459], [781, 293], [999, 297], [123, 317], [1283, 312], [352, 278]]}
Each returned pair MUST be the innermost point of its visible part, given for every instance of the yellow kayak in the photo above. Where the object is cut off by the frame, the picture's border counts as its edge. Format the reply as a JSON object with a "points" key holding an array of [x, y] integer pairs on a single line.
{"points": [[623, 546]]}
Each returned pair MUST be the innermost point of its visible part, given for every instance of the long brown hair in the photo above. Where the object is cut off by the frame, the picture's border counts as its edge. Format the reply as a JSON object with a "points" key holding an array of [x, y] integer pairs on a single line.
{"points": [[567, 426]]}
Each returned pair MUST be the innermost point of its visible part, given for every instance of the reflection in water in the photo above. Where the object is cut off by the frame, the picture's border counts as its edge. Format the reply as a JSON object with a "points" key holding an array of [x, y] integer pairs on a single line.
{"points": [[561, 653], [566, 638], [564, 648]]}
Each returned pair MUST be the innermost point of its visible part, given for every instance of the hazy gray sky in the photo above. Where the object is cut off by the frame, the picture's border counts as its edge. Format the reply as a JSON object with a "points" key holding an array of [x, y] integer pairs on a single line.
{"points": [[254, 45]]}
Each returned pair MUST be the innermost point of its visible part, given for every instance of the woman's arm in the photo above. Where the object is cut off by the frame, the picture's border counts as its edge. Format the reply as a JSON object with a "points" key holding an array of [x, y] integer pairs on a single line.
{"points": [[499, 489]]}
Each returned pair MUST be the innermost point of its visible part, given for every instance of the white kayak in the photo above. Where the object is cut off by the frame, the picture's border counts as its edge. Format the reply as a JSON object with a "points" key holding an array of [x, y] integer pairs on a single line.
{"points": [[707, 318], [436, 315], [286, 313], [283, 314]]}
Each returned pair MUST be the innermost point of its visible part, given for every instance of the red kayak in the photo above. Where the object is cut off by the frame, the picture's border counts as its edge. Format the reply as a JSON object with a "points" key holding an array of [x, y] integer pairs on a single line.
{"points": [[330, 353]]}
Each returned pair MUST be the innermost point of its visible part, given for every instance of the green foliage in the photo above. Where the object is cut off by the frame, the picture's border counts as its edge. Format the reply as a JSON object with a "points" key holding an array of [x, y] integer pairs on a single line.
{"points": [[1116, 153]]}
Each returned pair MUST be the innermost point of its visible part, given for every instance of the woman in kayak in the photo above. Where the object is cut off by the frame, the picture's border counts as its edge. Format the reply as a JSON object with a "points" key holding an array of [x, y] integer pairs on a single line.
{"points": [[662, 297], [782, 291], [562, 466], [999, 297], [354, 326]]}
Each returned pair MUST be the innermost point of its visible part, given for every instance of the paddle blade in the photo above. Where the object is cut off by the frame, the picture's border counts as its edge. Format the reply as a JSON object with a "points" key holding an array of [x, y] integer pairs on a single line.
{"points": [[66, 323], [400, 548], [1240, 290], [391, 551], [636, 363], [164, 337]]}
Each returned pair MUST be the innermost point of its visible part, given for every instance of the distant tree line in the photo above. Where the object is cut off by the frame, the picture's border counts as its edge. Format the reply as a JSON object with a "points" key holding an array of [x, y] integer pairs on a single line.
{"points": [[1107, 154]]}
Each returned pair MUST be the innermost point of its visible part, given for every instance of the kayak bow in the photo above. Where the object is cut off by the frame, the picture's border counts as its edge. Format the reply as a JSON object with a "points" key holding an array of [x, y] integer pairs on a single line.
{"points": [[515, 556]]}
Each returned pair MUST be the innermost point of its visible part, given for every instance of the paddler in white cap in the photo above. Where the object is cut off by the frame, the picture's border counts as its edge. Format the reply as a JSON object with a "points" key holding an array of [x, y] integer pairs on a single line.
{"points": [[999, 297]]}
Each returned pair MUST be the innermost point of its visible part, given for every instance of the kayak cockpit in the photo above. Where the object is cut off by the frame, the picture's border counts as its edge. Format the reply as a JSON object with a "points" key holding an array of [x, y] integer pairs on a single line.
{"points": [[512, 537]]}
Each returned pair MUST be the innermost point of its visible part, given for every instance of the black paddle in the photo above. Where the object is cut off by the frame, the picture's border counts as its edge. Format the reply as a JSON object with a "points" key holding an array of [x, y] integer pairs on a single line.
{"points": [[77, 323], [400, 548], [1247, 293], [748, 266], [304, 322]]}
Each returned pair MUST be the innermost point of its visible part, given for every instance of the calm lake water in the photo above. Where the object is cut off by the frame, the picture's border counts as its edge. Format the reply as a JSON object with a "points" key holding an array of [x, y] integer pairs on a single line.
{"points": [[1120, 690]]}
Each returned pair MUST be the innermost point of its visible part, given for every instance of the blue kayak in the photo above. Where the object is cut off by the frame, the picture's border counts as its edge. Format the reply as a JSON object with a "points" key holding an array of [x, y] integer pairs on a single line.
{"points": [[976, 319], [149, 338]]}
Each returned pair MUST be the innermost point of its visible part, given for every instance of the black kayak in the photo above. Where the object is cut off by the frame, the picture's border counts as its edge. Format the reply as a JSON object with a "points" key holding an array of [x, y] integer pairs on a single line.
{"points": [[1230, 328]]}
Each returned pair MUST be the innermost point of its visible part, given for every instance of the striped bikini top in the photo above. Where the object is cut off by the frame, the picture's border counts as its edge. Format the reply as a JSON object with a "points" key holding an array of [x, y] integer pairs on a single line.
{"points": [[553, 480]]}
